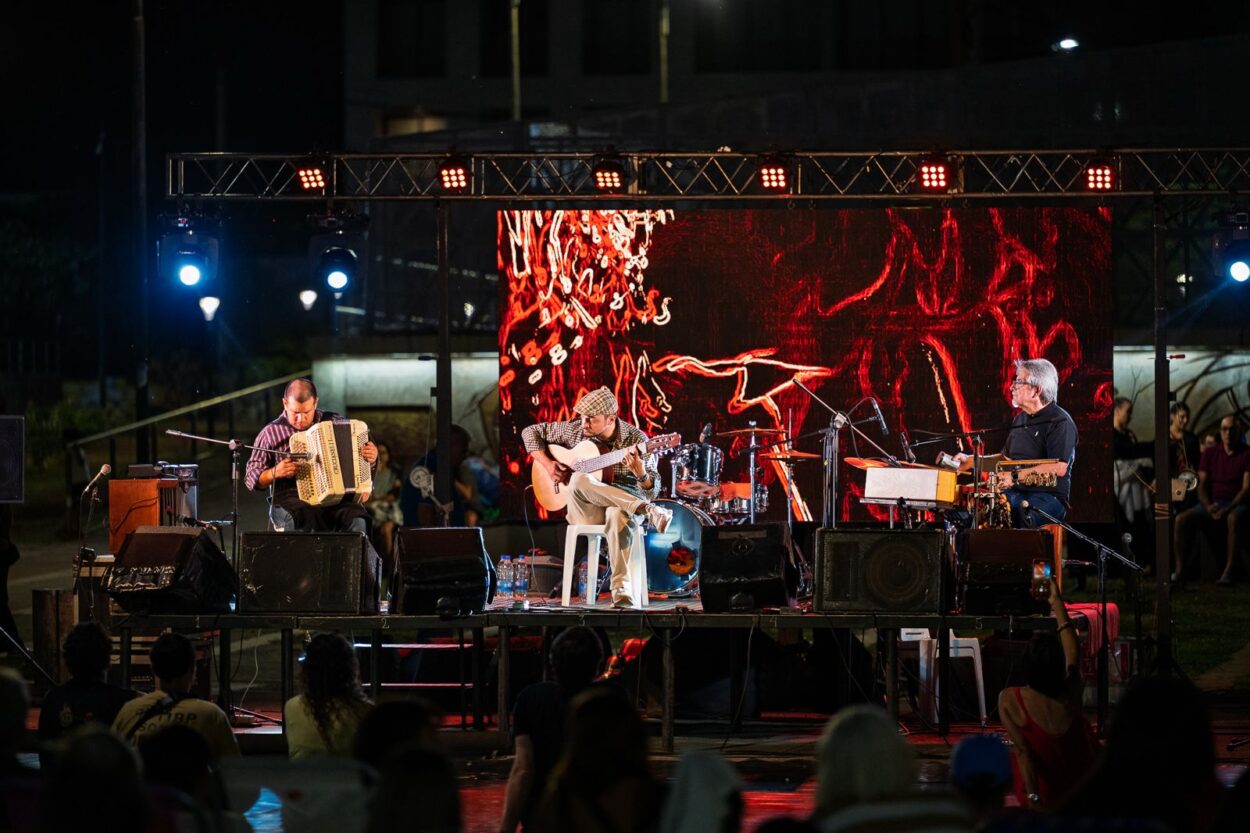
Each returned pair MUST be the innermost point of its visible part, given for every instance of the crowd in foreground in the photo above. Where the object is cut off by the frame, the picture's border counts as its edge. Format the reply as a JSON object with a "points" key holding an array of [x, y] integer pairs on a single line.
{"points": [[112, 760]]}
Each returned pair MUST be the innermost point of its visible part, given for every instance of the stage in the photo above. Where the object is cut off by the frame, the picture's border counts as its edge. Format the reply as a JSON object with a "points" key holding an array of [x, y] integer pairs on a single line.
{"points": [[664, 619]]}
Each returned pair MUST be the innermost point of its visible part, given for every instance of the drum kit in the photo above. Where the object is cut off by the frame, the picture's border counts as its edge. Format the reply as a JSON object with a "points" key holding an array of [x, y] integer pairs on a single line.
{"points": [[698, 498]]}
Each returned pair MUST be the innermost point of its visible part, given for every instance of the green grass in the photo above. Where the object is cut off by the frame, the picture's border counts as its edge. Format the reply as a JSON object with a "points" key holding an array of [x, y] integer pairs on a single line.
{"points": [[1210, 623]]}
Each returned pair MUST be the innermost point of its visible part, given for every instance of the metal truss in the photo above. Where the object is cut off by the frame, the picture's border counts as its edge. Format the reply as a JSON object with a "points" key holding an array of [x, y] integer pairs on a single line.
{"points": [[568, 177]]}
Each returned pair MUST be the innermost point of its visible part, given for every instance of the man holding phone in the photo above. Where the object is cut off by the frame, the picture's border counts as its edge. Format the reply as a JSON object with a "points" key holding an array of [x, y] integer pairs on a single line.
{"points": [[1223, 489]]}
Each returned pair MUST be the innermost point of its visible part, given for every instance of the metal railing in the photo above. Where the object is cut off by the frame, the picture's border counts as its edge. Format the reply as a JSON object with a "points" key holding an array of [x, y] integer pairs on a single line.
{"points": [[188, 417]]}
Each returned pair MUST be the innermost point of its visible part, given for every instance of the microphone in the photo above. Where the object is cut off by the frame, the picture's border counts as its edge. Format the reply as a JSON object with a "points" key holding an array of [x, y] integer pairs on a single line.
{"points": [[103, 472], [885, 431], [705, 434], [906, 440]]}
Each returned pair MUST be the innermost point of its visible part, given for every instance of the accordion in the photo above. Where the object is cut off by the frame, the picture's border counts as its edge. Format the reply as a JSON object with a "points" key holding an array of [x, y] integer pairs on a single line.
{"points": [[331, 470]]}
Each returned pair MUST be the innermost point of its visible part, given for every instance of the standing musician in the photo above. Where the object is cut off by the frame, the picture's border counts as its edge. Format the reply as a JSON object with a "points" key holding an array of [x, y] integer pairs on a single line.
{"points": [[264, 468], [1041, 431], [621, 506]]}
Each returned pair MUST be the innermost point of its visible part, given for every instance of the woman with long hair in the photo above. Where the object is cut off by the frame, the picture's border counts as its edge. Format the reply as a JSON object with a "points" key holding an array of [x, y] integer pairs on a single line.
{"points": [[323, 720]]}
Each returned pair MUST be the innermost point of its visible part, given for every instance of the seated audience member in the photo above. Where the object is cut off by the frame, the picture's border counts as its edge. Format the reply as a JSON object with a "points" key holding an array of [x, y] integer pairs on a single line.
{"points": [[323, 720], [1223, 500], [86, 698], [173, 664], [95, 786], [1158, 765], [14, 705], [417, 793], [1055, 744], [538, 718], [383, 505], [981, 775], [866, 777], [419, 503], [390, 725], [706, 796], [602, 782], [177, 762]]}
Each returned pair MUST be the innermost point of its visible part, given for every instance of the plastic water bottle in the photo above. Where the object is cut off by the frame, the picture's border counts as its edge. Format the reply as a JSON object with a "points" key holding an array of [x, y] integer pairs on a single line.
{"points": [[582, 575], [504, 586], [521, 578]]}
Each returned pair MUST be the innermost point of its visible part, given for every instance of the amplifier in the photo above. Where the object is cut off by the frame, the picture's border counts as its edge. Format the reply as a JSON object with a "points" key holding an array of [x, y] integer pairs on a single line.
{"points": [[442, 563], [998, 569], [743, 567], [171, 570], [894, 570], [308, 572]]}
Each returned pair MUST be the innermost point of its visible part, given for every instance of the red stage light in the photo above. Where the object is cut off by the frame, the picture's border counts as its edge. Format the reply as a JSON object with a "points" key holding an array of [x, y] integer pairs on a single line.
{"points": [[774, 176], [934, 175], [1099, 176], [311, 177], [609, 176], [454, 175]]}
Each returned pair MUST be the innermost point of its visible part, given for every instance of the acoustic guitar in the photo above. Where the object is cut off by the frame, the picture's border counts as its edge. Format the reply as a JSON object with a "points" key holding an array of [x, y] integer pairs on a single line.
{"points": [[587, 457]]}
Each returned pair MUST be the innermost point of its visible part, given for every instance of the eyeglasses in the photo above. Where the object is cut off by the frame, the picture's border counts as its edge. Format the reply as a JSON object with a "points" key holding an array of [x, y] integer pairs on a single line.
{"points": [[1224, 428], [1015, 383]]}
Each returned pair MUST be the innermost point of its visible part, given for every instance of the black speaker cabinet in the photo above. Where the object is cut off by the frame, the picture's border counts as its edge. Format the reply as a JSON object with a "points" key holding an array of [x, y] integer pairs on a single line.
{"points": [[171, 570], [442, 562], [12, 459], [895, 570], [308, 572], [743, 567], [997, 570]]}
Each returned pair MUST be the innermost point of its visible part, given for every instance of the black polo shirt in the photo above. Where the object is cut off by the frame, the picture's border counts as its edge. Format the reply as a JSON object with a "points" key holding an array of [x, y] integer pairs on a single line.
{"points": [[1049, 434]]}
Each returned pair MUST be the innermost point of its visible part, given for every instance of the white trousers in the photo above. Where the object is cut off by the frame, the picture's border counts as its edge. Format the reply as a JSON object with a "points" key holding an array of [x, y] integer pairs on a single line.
{"points": [[592, 502]]}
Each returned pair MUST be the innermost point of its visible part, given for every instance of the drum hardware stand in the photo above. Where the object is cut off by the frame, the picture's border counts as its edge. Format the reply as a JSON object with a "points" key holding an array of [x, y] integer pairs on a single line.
{"points": [[1104, 651]]}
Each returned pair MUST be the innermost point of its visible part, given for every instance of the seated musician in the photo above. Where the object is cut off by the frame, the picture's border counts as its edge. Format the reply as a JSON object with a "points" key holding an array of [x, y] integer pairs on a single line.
{"points": [[265, 468], [1041, 431], [620, 506]]}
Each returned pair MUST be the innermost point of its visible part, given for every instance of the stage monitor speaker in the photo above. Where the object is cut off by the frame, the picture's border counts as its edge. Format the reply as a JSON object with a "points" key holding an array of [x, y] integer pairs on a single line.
{"points": [[171, 570], [743, 567], [308, 572], [448, 563], [894, 570], [998, 570], [12, 459]]}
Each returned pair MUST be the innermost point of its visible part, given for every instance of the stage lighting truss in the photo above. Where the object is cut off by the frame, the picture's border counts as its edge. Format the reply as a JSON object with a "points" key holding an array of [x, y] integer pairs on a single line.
{"points": [[609, 174], [712, 176], [774, 174], [455, 175]]}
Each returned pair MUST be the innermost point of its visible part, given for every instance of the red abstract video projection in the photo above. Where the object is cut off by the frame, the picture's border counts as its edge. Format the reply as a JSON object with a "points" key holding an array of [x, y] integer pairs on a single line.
{"points": [[712, 316]]}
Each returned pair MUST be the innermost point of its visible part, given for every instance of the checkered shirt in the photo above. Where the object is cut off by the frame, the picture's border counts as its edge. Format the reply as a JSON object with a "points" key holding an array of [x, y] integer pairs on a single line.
{"points": [[568, 434]]}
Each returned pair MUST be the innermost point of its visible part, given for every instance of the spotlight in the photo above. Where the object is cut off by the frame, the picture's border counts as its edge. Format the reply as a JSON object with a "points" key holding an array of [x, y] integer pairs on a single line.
{"points": [[187, 252], [337, 254], [307, 298], [453, 173], [312, 174], [609, 174], [1065, 44], [208, 306], [1232, 246], [774, 174], [935, 175], [1100, 175], [337, 267]]}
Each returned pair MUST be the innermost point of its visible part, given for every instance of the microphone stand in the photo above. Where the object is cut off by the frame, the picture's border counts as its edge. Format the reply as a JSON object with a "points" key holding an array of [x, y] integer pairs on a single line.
{"points": [[829, 455], [83, 549], [1104, 552]]}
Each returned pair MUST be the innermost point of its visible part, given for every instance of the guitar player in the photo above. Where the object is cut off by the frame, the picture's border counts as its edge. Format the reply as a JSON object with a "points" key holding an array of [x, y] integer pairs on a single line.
{"points": [[620, 505]]}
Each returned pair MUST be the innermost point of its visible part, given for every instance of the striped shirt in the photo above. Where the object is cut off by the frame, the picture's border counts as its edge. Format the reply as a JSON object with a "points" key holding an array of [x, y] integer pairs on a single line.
{"points": [[568, 434], [277, 436]]}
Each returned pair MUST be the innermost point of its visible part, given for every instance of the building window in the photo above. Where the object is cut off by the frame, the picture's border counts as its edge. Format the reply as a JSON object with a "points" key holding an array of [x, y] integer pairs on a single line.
{"points": [[618, 37], [496, 28], [412, 38]]}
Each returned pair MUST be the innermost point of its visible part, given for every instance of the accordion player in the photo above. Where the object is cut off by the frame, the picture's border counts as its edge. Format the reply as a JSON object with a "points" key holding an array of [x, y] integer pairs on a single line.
{"points": [[329, 467]]}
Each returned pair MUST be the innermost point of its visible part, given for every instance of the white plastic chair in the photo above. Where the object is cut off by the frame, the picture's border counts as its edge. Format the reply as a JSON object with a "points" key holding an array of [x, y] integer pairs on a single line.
{"points": [[927, 647], [594, 533]]}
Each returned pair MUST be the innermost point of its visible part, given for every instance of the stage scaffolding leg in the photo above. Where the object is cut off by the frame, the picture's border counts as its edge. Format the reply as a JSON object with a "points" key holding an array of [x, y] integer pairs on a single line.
{"points": [[124, 659], [287, 670], [477, 677], [224, 698], [670, 694], [375, 663], [944, 677], [887, 649], [503, 671]]}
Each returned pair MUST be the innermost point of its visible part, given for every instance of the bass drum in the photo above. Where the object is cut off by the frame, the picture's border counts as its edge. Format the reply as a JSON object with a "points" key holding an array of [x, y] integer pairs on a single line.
{"points": [[673, 555]]}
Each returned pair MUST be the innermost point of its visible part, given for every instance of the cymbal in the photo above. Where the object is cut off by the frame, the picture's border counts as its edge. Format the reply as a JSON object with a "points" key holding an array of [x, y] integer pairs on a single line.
{"points": [[865, 462], [1022, 463], [789, 456], [756, 430]]}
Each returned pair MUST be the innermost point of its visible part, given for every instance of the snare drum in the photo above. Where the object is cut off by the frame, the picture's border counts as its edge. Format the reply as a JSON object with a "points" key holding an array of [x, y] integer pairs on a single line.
{"points": [[673, 555], [696, 471], [735, 499]]}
